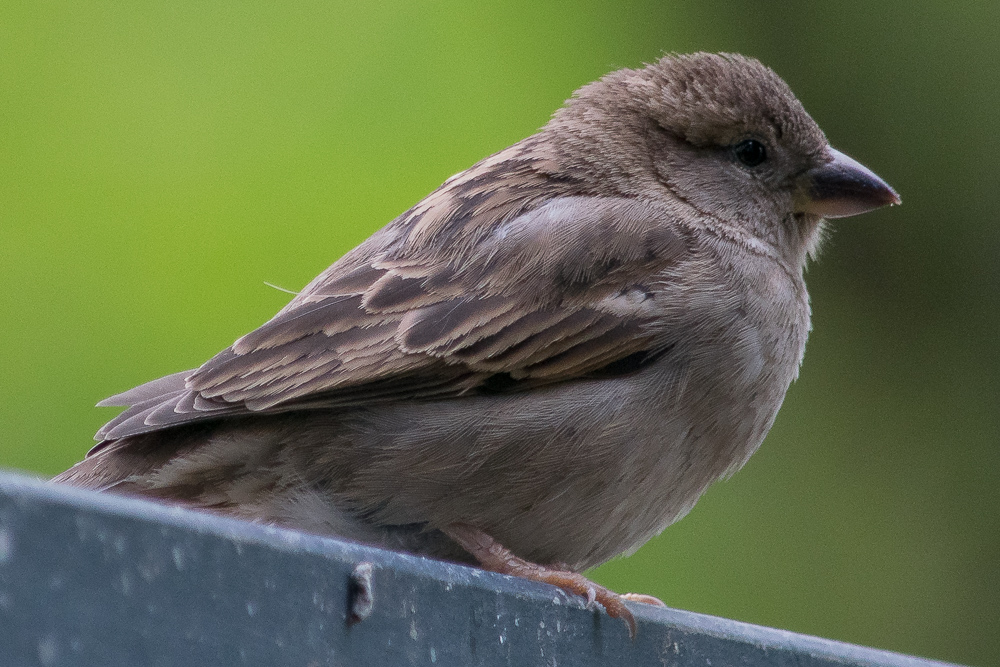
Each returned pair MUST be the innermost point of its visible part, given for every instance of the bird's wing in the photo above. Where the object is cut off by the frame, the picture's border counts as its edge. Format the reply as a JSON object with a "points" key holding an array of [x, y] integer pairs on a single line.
{"points": [[556, 293]]}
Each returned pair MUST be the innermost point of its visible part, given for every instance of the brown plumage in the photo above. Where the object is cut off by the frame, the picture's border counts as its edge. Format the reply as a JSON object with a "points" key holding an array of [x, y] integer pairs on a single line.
{"points": [[560, 348]]}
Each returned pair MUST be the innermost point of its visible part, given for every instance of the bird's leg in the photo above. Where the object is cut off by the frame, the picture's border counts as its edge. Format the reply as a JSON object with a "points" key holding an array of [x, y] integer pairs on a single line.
{"points": [[494, 556]]}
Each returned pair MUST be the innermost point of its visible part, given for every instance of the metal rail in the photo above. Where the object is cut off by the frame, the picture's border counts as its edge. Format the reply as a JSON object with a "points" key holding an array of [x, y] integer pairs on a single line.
{"points": [[92, 579]]}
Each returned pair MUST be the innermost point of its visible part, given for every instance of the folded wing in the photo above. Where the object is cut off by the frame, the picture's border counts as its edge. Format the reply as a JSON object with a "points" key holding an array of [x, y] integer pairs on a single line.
{"points": [[554, 294]]}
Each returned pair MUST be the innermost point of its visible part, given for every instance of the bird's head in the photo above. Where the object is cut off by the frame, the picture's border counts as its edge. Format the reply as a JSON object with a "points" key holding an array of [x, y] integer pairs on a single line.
{"points": [[720, 133]]}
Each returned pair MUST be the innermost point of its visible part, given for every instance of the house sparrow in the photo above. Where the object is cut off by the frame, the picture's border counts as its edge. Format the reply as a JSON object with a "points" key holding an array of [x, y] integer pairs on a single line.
{"points": [[542, 364]]}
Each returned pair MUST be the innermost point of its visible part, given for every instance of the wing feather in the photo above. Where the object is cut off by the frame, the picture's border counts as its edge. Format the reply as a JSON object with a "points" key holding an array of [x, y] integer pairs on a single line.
{"points": [[537, 296]]}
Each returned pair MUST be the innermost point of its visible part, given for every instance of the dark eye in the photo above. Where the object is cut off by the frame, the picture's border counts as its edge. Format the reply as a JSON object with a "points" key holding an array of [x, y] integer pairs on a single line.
{"points": [[750, 152]]}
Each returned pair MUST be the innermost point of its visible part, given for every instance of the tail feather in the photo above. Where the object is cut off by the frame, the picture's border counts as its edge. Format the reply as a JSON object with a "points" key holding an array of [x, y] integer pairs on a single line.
{"points": [[115, 464], [112, 463]]}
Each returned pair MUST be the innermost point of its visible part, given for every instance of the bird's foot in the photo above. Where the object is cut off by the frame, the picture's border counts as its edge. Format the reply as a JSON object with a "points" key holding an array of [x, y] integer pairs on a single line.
{"points": [[494, 556], [643, 598]]}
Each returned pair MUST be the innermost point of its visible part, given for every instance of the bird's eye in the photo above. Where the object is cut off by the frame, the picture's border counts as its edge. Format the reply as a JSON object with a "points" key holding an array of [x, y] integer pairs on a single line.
{"points": [[750, 152]]}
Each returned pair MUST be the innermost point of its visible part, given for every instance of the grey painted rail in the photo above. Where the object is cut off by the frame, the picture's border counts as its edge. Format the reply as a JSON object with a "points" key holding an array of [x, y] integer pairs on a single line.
{"points": [[90, 579]]}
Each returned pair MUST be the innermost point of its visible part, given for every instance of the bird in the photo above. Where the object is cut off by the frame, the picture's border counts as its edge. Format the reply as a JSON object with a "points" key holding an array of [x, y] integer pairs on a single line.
{"points": [[543, 363]]}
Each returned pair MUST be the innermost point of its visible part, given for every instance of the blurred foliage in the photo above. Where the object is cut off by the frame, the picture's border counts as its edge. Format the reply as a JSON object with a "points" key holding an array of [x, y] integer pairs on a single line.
{"points": [[159, 162]]}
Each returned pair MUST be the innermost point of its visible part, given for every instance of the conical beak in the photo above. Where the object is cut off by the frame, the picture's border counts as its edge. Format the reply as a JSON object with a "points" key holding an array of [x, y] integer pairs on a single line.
{"points": [[842, 187]]}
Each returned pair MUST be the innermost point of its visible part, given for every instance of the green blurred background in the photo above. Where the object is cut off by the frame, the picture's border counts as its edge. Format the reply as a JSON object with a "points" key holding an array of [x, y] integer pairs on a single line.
{"points": [[160, 161]]}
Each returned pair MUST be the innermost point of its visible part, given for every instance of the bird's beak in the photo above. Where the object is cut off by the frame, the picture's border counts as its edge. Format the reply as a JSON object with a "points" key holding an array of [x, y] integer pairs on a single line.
{"points": [[842, 187]]}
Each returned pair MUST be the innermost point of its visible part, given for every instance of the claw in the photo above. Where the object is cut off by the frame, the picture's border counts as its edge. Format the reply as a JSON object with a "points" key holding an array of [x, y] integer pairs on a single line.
{"points": [[644, 599], [494, 556], [591, 597]]}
